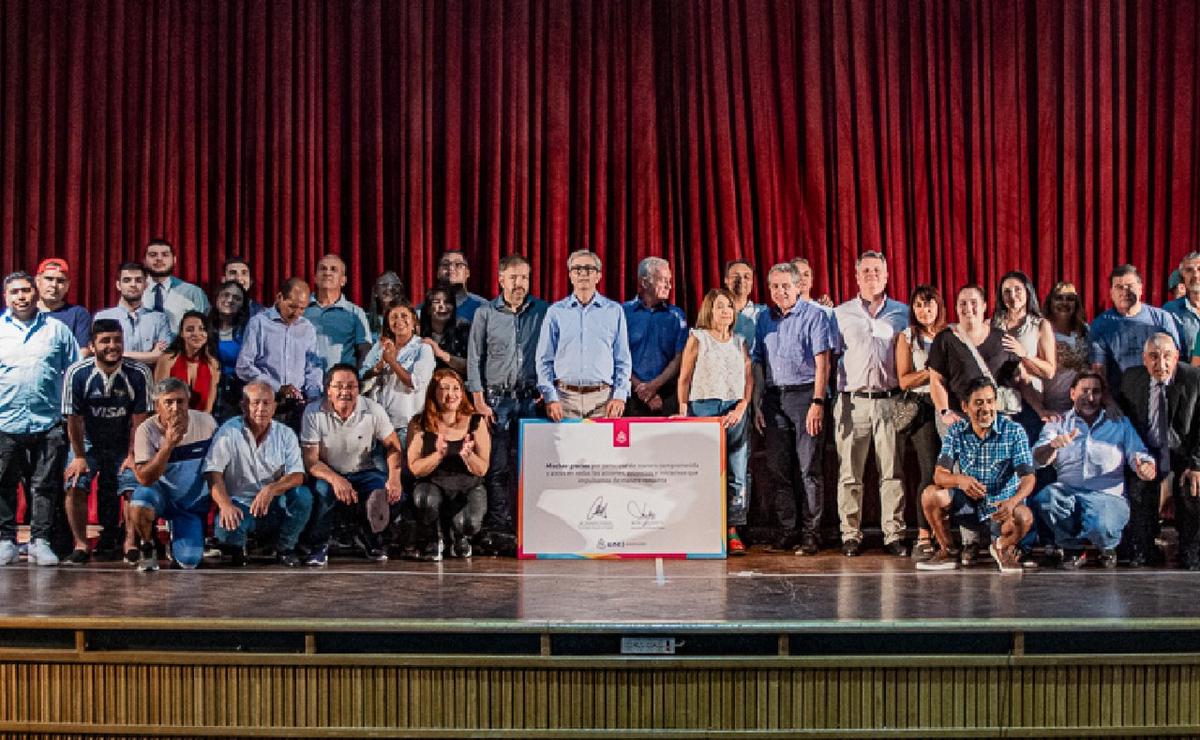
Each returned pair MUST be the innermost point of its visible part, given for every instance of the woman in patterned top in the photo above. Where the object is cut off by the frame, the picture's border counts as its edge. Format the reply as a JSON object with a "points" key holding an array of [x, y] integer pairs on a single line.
{"points": [[716, 379]]}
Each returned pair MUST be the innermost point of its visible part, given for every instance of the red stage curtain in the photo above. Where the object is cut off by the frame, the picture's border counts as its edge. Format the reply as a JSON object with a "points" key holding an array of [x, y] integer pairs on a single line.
{"points": [[964, 139]]}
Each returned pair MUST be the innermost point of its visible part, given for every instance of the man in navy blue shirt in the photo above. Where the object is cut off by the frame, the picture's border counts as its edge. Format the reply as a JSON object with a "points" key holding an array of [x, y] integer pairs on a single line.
{"points": [[105, 398], [53, 280], [657, 334]]}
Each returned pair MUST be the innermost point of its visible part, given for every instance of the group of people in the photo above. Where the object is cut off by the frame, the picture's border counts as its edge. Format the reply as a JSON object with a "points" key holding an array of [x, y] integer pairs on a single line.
{"points": [[313, 423]]}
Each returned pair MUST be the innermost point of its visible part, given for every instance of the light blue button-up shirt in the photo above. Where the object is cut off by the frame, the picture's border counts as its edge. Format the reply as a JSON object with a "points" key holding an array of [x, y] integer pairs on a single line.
{"points": [[584, 345], [142, 330], [248, 466], [341, 327], [1096, 460], [34, 358], [787, 346], [280, 354], [179, 297]]}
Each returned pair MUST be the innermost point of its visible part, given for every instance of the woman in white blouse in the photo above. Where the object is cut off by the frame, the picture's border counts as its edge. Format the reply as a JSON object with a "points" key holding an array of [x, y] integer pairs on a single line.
{"points": [[716, 380], [397, 370]]}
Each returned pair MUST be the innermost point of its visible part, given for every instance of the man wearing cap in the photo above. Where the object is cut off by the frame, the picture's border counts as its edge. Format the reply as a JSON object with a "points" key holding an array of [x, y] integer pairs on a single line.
{"points": [[166, 292], [256, 477], [105, 398], [35, 352], [53, 281], [147, 333]]}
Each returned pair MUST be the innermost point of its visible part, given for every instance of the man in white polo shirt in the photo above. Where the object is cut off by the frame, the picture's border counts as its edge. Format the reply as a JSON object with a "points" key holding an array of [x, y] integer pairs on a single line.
{"points": [[256, 477], [337, 438]]}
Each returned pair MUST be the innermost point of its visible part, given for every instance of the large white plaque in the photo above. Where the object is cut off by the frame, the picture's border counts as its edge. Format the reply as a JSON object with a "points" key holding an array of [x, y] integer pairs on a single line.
{"points": [[620, 488]]}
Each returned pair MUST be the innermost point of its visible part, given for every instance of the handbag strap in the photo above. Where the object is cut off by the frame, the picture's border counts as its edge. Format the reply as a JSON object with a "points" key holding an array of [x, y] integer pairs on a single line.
{"points": [[974, 353]]}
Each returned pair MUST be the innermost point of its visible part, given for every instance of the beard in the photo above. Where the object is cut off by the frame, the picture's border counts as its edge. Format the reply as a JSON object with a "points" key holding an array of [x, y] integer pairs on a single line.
{"points": [[159, 273]]}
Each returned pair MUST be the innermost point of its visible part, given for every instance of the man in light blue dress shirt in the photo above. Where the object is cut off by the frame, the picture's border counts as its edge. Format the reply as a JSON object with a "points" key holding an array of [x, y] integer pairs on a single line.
{"points": [[739, 279], [343, 330], [147, 333], [35, 352], [167, 293], [584, 363], [279, 348]]}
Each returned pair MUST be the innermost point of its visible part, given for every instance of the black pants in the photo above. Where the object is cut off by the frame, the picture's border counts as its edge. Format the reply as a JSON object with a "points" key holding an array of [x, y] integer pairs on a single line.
{"points": [[502, 467], [927, 445], [790, 448], [40, 459], [446, 511], [1138, 538]]}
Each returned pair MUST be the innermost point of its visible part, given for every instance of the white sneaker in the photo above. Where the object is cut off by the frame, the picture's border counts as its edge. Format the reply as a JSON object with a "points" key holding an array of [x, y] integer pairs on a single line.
{"points": [[9, 553], [41, 554]]}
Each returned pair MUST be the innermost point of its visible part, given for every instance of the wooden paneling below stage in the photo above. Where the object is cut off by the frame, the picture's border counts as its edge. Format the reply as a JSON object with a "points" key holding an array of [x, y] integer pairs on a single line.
{"points": [[769, 646]]}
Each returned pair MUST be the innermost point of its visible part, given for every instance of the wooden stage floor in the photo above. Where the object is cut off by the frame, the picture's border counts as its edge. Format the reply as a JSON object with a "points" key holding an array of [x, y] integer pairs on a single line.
{"points": [[764, 591]]}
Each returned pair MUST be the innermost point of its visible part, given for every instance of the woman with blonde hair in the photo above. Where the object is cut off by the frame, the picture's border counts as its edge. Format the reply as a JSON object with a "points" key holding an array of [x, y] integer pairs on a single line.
{"points": [[715, 379]]}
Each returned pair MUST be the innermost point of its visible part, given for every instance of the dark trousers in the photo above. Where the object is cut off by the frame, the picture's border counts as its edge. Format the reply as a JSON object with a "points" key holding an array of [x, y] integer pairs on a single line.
{"points": [[790, 448], [503, 465], [634, 406], [1138, 539], [927, 445], [444, 512], [39, 459]]}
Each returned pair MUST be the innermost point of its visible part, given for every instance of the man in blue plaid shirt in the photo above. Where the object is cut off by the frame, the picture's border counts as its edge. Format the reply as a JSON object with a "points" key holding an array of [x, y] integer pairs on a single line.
{"points": [[983, 476]]}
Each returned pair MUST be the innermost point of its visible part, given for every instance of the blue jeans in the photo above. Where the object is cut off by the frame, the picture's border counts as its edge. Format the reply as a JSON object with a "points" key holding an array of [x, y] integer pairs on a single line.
{"points": [[186, 520], [737, 456], [326, 507], [1078, 517], [503, 465], [288, 514]]}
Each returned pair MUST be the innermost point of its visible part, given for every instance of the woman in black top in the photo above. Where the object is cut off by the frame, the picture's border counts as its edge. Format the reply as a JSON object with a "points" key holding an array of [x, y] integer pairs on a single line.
{"points": [[443, 331], [448, 452]]}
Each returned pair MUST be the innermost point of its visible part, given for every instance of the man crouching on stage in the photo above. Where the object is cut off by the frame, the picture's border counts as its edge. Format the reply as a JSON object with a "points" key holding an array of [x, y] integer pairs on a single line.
{"points": [[996, 475], [169, 450], [256, 476]]}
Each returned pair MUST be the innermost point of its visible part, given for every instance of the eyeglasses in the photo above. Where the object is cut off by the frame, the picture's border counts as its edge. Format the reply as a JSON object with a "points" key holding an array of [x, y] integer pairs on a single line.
{"points": [[343, 386], [583, 269]]}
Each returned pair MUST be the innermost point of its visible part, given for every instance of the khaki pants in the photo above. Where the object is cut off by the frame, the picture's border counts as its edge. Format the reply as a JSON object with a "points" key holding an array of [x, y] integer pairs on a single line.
{"points": [[857, 423], [583, 405]]}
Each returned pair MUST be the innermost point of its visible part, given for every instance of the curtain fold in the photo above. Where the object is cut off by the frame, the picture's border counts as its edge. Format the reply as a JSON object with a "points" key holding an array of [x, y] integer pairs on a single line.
{"points": [[962, 139]]}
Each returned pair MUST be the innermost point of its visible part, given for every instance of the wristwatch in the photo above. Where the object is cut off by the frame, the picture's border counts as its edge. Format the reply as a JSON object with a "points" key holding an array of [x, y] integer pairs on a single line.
{"points": [[818, 400]]}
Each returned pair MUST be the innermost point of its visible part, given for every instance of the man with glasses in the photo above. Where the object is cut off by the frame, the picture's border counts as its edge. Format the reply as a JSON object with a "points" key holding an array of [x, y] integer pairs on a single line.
{"points": [[583, 360], [453, 271]]}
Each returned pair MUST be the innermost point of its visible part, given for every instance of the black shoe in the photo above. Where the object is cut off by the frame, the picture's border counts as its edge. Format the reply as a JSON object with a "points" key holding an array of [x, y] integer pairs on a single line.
{"points": [[1075, 560], [969, 554], [290, 559], [132, 555], [371, 548], [897, 548], [77, 557], [237, 557], [808, 545], [1108, 558], [783, 543], [851, 548], [432, 551]]}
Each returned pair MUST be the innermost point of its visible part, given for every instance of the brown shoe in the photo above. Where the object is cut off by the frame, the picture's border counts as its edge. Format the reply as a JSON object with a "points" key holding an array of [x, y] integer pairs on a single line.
{"points": [[940, 560], [1006, 558]]}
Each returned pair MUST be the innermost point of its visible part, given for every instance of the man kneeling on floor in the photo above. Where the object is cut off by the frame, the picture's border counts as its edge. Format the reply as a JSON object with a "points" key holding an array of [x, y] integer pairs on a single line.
{"points": [[995, 475], [1089, 450], [169, 450], [337, 439], [256, 476]]}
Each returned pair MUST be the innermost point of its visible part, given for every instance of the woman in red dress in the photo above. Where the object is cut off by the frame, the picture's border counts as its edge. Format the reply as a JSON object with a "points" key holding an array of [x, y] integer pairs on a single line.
{"points": [[193, 359]]}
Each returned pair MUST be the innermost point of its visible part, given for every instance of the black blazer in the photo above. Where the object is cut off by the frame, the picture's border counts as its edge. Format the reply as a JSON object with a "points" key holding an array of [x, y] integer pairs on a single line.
{"points": [[1183, 408]]}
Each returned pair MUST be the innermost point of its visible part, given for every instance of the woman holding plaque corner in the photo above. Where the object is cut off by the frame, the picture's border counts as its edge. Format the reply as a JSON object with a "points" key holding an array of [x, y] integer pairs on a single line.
{"points": [[715, 377]]}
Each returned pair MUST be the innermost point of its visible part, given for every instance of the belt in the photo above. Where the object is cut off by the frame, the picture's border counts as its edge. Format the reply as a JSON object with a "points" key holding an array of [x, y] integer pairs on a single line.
{"points": [[875, 394], [581, 388], [522, 393], [801, 387]]}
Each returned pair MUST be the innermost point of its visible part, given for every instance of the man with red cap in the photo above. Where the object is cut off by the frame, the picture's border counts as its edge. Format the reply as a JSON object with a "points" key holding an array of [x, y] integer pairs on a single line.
{"points": [[53, 280]]}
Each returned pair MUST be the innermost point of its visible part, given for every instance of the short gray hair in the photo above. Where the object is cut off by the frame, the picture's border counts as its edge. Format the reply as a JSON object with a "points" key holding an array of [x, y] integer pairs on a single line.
{"points": [[256, 384], [787, 268], [648, 265], [1160, 338], [1192, 255], [171, 385], [870, 254], [585, 253]]}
